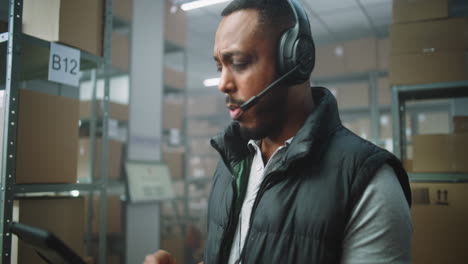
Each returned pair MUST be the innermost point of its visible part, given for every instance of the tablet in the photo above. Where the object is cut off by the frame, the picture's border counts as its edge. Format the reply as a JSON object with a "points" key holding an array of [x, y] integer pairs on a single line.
{"points": [[49, 247]]}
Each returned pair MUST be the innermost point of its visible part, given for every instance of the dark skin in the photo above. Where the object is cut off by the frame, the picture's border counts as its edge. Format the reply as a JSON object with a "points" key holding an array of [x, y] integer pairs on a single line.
{"points": [[246, 59]]}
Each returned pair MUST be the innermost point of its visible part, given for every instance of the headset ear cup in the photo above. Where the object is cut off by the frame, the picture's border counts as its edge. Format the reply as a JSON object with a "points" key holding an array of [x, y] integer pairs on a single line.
{"points": [[285, 54], [304, 56]]}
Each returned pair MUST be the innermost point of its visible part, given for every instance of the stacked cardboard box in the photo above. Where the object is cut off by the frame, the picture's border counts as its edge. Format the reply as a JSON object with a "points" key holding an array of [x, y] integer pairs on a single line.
{"points": [[202, 167], [113, 214], [355, 56], [173, 117], [440, 153], [123, 9], [203, 128], [63, 216], [115, 149], [47, 138], [174, 158], [117, 111], [75, 23], [349, 95], [174, 80], [175, 27], [460, 124], [439, 214], [360, 127], [443, 153], [427, 46], [211, 104], [120, 51]]}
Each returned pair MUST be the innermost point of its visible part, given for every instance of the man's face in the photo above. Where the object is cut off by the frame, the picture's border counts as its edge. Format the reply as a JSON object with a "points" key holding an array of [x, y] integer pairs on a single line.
{"points": [[246, 58]]}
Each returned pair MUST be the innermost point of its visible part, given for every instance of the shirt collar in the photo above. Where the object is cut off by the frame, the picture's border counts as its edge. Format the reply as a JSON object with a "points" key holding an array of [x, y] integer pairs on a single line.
{"points": [[255, 145]]}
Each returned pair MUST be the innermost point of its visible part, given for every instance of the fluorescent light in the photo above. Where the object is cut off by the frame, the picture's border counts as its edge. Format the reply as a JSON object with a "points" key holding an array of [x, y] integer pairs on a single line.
{"points": [[211, 82], [200, 3], [75, 193]]}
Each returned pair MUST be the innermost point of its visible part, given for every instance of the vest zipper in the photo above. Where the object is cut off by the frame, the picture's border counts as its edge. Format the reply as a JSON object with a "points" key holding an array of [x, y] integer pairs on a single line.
{"points": [[254, 207], [266, 182], [231, 219]]}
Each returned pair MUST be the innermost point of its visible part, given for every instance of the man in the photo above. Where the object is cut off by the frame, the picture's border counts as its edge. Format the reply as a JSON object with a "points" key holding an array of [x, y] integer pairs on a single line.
{"points": [[294, 185]]}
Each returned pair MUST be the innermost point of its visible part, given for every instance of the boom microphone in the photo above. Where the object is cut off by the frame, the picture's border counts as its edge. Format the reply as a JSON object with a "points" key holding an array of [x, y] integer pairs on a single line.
{"points": [[253, 100]]}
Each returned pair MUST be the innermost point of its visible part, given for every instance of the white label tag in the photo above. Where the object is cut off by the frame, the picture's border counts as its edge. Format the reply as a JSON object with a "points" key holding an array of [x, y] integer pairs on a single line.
{"points": [[64, 64], [149, 182], [113, 128]]}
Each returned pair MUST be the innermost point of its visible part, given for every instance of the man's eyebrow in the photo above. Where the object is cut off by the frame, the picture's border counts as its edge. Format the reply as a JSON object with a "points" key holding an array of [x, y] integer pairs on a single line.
{"points": [[228, 55]]}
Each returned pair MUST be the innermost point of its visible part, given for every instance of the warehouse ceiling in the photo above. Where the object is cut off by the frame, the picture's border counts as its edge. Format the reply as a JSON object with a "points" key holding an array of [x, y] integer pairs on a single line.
{"points": [[331, 21]]}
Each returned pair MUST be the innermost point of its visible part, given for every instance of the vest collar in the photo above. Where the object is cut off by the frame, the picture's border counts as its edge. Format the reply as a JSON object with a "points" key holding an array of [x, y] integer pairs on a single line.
{"points": [[322, 121]]}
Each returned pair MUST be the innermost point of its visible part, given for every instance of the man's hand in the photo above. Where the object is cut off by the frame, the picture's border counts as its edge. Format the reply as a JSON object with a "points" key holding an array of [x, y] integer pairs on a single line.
{"points": [[160, 257]]}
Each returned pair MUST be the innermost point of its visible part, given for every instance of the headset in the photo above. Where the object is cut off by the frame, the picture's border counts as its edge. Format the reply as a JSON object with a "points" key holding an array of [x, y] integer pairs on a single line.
{"points": [[296, 54]]}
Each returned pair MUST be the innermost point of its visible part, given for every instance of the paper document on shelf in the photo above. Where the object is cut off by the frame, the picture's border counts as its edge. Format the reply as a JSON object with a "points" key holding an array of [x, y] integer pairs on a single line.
{"points": [[149, 181]]}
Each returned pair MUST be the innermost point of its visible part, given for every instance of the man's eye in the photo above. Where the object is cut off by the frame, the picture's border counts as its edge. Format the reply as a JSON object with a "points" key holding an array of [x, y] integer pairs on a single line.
{"points": [[239, 65]]}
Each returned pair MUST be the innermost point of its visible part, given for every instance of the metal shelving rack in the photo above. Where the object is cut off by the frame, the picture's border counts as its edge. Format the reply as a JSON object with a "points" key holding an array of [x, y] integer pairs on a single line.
{"points": [[403, 93], [17, 45]]}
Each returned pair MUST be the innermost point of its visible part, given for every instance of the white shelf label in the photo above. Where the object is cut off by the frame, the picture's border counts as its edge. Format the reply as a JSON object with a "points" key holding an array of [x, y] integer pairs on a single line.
{"points": [[64, 64], [149, 181]]}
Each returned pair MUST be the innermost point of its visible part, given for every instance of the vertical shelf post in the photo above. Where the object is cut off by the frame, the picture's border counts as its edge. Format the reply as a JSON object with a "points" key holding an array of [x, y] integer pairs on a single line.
{"points": [[10, 128]]}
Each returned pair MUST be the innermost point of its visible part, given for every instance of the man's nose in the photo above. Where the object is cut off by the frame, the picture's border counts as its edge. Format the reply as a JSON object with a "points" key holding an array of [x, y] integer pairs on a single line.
{"points": [[226, 82]]}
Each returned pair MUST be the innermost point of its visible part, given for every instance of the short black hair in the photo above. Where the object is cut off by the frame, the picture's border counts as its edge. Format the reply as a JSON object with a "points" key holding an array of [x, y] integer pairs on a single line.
{"points": [[274, 16]]}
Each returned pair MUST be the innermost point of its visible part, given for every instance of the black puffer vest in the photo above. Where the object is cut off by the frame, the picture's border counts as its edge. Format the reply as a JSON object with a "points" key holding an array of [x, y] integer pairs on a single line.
{"points": [[307, 196]]}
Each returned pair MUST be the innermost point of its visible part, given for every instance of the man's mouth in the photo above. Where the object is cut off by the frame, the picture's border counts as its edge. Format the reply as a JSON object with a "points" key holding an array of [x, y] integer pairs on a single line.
{"points": [[235, 112]]}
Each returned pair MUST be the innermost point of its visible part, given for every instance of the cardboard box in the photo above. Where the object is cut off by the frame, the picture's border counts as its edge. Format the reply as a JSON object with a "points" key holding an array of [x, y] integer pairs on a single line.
{"points": [[179, 188], [466, 33], [171, 209], [123, 9], [360, 55], [418, 68], [174, 80], [353, 94], [384, 91], [202, 167], [408, 165], [417, 10], [75, 23], [433, 123], [3, 26], [114, 163], [202, 146], [383, 54], [174, 242], [460, 124], [174, 158], [440, 214], [47, 138], [360, 127], [329, 61], [173, 112], [116, 111], [353, 56], [175, 26], [120, 51], [114, 214], [440, 153], [63, 216], [206, 105], [427, 36], [203, 128]]}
